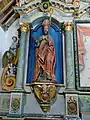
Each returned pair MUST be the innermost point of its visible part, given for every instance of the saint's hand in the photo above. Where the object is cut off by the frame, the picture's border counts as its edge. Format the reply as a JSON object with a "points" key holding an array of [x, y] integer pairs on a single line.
{"points": [[37, 43]]}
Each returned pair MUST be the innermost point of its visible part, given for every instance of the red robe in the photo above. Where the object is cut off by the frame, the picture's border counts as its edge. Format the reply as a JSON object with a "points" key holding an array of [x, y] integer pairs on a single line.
{"points": [[45, 58]]}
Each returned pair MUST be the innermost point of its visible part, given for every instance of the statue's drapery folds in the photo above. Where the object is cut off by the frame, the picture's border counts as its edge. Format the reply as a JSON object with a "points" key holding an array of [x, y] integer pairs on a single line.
{"points": [[44, 56]]}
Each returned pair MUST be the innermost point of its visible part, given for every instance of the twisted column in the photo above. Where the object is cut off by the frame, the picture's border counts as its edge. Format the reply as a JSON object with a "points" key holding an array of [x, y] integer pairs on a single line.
{"points": [[24, 27], [70, 72]]}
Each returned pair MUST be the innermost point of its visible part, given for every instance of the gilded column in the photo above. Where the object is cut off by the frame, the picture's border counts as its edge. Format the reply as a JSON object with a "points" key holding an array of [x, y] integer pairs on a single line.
{"points": [[24, 27], [70, 72]]}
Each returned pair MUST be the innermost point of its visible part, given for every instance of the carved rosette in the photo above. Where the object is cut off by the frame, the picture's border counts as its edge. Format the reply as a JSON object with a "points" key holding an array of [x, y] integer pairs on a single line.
{"points": [[45, 6]]}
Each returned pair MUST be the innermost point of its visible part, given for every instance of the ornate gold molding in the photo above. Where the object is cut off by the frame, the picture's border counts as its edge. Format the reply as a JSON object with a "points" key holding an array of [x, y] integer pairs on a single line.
{"points": [[24, 27], [44, 93], [68, 26]]}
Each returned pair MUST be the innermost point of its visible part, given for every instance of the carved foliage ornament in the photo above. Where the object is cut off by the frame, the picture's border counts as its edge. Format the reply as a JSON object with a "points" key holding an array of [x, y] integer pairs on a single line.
{"points": [[70, 6]]}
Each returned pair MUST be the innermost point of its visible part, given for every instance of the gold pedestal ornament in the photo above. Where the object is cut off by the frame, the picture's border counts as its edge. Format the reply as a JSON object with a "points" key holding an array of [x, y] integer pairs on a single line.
{"points": [[44, 93]]}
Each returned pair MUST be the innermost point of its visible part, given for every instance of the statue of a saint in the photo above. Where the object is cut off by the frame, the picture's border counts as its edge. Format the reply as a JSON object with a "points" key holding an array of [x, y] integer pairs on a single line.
{"points": [[45, 56]]}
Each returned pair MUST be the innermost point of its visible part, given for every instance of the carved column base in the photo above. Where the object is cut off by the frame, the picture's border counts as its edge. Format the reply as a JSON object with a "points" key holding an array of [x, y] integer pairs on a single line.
{"points": [[16, 104], [44, 92], [72, 104]]}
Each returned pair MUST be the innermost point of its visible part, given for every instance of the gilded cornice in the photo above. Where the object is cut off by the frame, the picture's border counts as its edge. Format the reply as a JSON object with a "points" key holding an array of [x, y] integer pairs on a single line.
{"points": [[42, 5], [73, 7]]}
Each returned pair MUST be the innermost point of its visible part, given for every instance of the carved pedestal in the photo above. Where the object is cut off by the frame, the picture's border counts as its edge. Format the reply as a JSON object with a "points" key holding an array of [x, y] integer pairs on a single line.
{"points": [[16, 104], [44, 92], [72, 105]]}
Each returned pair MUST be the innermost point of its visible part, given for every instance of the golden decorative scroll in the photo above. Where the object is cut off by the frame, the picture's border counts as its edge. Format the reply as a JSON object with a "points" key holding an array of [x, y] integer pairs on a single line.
{"points": [[8, 82]]}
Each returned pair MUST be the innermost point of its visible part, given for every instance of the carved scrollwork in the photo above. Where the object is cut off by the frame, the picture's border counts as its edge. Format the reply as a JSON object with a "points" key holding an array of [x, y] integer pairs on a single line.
{"points": [[10, 82], [45, 6], [9, 63], [9, 74]]}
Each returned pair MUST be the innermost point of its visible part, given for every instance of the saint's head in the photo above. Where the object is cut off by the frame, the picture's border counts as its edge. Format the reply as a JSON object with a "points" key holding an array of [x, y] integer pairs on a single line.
{"points": [[46, 24]]}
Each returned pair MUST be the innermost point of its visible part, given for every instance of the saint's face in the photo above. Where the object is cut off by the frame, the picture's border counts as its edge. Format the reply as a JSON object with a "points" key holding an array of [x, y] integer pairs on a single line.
{"points": [[46, 30]]}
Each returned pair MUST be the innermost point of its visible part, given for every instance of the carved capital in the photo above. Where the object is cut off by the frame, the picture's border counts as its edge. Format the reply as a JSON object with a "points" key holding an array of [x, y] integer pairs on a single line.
{"points": [[24, 27], [68, 26]]}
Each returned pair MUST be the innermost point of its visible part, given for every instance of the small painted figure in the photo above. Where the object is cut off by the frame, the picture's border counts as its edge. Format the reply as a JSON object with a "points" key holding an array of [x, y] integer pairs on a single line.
{"points": [[45, 56]]}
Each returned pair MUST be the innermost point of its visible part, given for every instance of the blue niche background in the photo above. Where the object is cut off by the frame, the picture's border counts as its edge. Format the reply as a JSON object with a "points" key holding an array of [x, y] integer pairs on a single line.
{"points": [[56, 35]]}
